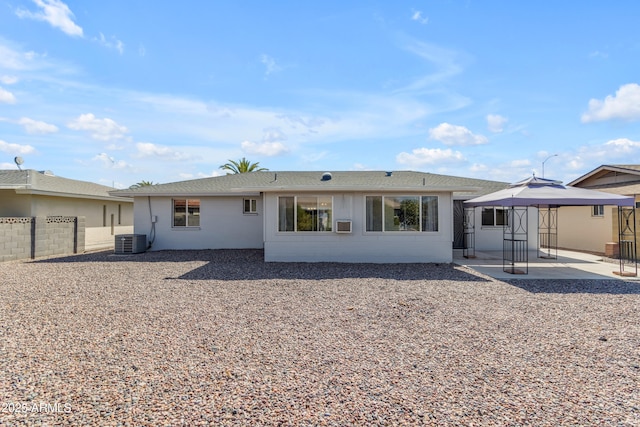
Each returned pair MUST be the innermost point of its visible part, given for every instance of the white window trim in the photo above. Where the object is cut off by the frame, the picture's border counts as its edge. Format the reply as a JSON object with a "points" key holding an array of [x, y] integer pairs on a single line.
{"points": [[173, 212], [252, 202], [600, 209], [397, 232], [494, 226], [295, 215]]}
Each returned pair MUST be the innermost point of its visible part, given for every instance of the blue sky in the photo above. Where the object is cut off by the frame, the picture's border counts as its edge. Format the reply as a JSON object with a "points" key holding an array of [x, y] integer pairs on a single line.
{"points": [[119, 92]]}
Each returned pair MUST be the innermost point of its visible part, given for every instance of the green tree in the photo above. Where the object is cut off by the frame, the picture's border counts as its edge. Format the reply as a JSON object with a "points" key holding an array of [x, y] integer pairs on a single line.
{"points": [[241, 166], [142, 183]]}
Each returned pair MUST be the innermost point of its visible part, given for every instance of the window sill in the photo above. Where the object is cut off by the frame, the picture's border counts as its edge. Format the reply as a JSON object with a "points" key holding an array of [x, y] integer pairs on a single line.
{"points": [[185, 228]]}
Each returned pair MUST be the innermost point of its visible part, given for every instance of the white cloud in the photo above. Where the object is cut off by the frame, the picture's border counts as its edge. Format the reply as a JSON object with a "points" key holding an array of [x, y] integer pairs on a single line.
{"points": [[110, 162], [37, 127], [269, 149], [622, 146], [8, 80], [614, 150], [15, 60], [519, 163], [419, 17], [56, 13], [148, 149], [360, 167], [455, 135], [624, 105], [314, 157], [273, 135], [101, 129], [446, 64], [496, 122], [429, 156], [7, 97], [112, 43], [478, 167], [270, 65], [214, 173], [16, 148], [598, 54]]}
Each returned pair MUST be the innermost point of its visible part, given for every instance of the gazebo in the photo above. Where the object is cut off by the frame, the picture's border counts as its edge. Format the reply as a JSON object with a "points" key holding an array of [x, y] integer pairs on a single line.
{"points": [[547, 196]]}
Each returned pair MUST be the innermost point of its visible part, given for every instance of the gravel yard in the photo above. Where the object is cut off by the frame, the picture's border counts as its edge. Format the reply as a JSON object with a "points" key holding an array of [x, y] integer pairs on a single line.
{"points": [[221, 338]]}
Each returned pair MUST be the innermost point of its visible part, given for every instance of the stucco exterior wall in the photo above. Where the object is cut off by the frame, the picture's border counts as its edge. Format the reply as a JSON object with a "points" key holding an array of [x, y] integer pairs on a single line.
{"points": [[358, 246], [490, 238], [98, 238], [92, 209], [579, 230], [103, 218], [13, 205], [223, 225]]}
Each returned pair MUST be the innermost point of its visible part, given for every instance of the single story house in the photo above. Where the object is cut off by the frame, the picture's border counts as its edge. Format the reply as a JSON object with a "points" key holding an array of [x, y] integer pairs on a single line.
{"points": [[356, 216], [31, 193], [600, 221]]}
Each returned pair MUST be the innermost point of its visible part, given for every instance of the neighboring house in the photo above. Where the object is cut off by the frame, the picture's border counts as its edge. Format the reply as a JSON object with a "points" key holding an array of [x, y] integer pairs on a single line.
{"points": [[593, 228], [361, 216], [29, 193]]}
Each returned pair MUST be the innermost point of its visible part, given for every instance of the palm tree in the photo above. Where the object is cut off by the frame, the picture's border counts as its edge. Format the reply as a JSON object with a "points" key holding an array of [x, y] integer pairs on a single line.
{"points": [[242, 166], [142, 183]]}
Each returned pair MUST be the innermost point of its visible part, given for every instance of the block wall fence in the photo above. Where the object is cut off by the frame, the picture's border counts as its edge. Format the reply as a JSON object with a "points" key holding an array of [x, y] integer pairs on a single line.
{"points": [[36, 237]]}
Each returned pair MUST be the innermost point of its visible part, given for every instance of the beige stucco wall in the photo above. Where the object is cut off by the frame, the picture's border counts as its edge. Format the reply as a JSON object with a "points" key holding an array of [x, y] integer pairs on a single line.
{"points": [[98, 214], [579, 230], [13, 205], [92, 209], [97, 238]]}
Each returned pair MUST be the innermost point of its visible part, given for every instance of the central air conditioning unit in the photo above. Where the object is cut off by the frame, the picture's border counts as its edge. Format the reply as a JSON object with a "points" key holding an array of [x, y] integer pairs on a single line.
{"points": [[343, 226], [130, 243]]}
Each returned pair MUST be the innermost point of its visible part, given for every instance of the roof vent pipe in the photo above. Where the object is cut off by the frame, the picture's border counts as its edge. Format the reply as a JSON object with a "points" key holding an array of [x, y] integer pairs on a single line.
{"points": [[326, 176], [389, 173]]}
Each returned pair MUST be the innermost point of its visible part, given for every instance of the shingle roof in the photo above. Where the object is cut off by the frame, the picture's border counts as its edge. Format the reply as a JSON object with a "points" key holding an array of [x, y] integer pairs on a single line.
{"points": [[34, 182], [270, 181]]}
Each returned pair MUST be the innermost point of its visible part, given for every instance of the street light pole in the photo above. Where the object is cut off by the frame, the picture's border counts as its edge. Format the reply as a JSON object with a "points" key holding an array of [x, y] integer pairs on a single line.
{"points": [[545, 160]]}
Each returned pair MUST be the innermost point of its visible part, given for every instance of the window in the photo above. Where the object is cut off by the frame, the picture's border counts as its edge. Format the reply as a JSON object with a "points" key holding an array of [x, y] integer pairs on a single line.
{"points": [[598, 210], [186, 213], [495, 217], [104, 215], [250, 206], [304, 213], [401, 213], [119, 214]]}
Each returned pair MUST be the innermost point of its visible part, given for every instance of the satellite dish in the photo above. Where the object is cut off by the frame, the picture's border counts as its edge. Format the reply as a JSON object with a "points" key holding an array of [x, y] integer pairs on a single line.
{"points": [[19, 160]]}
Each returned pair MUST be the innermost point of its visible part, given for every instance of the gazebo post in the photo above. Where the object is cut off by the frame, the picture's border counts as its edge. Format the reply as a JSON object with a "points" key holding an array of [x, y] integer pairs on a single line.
{"points": [[548, 221], [469, 233], [627, 241], [515, 240]]}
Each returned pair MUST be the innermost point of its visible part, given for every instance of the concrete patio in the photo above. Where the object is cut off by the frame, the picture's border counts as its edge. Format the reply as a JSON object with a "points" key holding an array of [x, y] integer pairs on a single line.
{"points": [[567, 265]]}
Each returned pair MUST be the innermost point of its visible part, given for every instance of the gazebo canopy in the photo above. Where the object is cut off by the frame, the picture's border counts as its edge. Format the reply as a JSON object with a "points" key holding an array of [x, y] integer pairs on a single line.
{"points": [[542, 192]]}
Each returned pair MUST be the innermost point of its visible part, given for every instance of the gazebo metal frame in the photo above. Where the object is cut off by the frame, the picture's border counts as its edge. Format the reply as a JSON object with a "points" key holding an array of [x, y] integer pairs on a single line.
{"points": [[548, 196]]}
